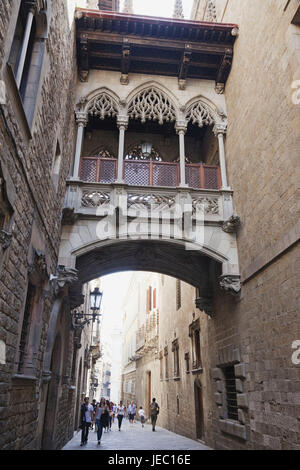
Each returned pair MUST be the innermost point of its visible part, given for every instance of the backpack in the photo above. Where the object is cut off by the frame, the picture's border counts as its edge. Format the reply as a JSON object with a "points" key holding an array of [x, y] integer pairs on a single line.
{"points": [[154, 408]]}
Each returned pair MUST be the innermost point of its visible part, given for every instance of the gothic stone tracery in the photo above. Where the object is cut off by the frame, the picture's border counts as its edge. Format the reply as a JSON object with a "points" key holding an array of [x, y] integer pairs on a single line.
{"points": [[152, 104]]}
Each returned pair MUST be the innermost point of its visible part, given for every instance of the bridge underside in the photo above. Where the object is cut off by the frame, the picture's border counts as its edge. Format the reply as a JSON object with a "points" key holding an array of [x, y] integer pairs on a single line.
{"points": [[163, 257]]}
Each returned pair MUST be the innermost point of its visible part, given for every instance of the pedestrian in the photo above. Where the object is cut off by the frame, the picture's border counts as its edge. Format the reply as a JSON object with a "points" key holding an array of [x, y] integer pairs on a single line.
{"points": [[120, 414], [114, 408], [94, 405], [86, 418], [131, 412], [111, 412], [99, 412], [142, 415], [105, 416], [154, 411]]}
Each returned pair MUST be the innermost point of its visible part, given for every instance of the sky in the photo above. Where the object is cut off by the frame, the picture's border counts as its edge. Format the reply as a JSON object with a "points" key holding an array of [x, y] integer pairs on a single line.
{"points": [[114, 287], [162, 8]]}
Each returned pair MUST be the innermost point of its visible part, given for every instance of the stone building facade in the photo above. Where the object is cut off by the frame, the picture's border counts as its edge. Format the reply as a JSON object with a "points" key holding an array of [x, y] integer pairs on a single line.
{"points": [[239, 78], [42, 374], [262, 148]]}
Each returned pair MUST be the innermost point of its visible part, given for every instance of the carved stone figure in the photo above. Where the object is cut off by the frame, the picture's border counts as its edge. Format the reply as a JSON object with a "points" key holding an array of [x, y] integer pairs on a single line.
{"points": [[231, 284], [232, 224]]}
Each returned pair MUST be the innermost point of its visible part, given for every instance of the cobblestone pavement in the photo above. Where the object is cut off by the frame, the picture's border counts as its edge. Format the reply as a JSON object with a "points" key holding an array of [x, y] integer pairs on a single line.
{"points": [[134, 437]]}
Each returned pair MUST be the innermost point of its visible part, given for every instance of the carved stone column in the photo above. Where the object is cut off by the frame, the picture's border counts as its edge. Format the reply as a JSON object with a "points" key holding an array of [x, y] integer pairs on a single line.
{"points": [[181, 128], [220, 131], [122, 123], [82, 119]]}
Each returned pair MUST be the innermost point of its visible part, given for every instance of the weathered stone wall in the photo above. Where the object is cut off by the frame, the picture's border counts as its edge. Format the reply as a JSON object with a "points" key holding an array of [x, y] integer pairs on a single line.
{"points": [[27, 166], [262, 150]]}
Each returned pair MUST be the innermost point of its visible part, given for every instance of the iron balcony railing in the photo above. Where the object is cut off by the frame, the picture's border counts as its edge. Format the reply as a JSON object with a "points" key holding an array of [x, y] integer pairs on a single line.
{"points": [[150, 173]]}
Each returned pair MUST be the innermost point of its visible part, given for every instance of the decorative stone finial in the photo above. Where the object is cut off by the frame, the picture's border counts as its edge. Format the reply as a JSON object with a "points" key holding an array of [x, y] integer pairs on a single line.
{"points": [[128, 7], [178, 10]]}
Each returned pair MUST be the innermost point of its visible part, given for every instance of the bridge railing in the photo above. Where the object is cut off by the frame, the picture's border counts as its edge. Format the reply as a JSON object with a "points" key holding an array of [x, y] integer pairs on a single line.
{"points": [[150, 173]]}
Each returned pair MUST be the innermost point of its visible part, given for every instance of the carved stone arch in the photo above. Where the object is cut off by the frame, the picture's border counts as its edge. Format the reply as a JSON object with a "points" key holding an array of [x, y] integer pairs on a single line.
{"points": [[103, 105], [101, 97], [152, 102], [200, 112], [203, 111]]}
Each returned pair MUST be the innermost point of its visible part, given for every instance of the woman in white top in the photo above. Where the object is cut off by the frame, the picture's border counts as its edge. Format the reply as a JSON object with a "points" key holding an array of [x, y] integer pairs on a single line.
{"points": [[120, 414]]}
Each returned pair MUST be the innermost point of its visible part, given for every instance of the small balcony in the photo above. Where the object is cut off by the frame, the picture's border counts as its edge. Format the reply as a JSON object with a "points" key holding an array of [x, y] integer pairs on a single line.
{"points": [[95, 169]]}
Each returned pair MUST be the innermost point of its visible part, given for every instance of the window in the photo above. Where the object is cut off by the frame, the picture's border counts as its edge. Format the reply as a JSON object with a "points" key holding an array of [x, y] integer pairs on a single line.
{"points": [[231, 393], [26, 325], [56, 167], [27, 52], [178, 410], [161, 365], [6, 213], [149, 300], [187, 361], [178, 294], [194, 333], [166, 362], [175, 350], [154, 298]]}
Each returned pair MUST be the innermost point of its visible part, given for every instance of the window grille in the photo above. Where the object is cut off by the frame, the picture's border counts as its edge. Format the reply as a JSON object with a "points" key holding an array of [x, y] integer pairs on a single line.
{"points": [[231, 393]]}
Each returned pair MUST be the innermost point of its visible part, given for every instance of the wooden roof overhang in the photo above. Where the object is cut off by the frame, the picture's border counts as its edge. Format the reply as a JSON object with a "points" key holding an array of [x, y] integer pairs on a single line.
{"points": [[155, 46]]}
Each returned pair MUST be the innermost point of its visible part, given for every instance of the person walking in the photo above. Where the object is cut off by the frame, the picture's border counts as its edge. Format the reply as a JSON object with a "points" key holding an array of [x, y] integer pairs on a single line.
{"points": [[154, 411], [99, 412], [142, 416], [86, 418], [131, 412], [114, 408], [111, 412], [105, 416], [120, 414], [94, 405]]}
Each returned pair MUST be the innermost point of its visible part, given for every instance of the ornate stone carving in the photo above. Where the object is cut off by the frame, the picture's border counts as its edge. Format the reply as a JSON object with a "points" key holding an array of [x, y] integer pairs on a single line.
{"points": [[68, 216], [205, 305], [152, 104], [5, 239], [220, 88], [220, 128], [200, 114], [231, 284], [103, 105], [94, 198], [211, 12], [65, 276], [178, 10], [81, 118], [208, 205], [83, 75], [151, 201], [128, 7], [232, 224]]}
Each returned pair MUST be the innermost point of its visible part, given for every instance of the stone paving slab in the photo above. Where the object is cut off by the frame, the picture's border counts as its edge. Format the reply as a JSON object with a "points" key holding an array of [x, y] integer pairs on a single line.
{"points": [[134, 437]]}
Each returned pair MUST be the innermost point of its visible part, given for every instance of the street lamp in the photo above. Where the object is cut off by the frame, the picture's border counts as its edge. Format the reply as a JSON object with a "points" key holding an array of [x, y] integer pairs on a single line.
{"points": [[82, 318], [146, 149]]}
